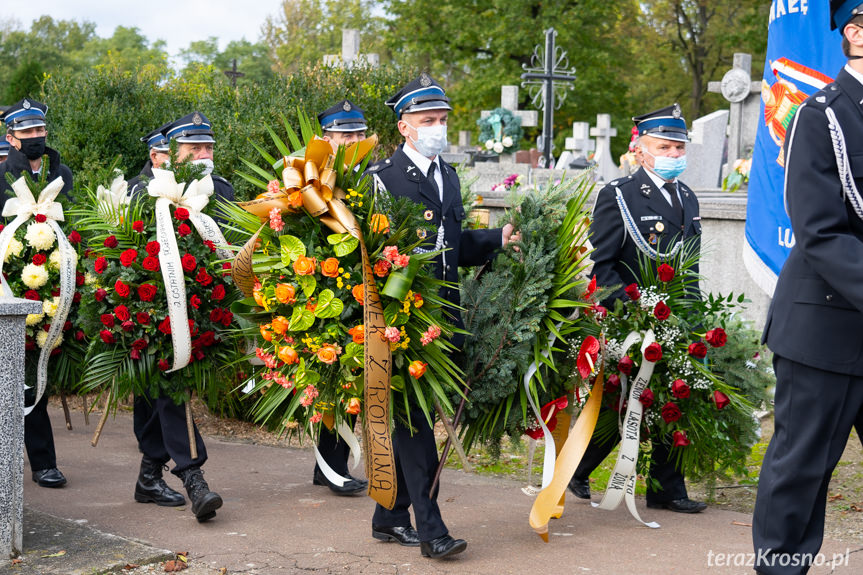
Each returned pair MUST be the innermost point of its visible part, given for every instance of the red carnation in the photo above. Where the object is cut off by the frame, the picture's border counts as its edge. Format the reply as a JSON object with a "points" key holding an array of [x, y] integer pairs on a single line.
{"points": [[138, 226], [181, 214], [39, 259], [110, 242], [218, 293], [164, 365], [216, 315], [646, 398], [40, 218], [128, 257], [227, 318], [74, 237], [107, 320], [665, 273], [79, 279], [100, 294], [143, 318], [632, 291], [670, 412], [106, 336], [122, 312], [716, 337], [679, 439], [625, 365], [697, 349], [150, 264], [153, 248], [195, 301], [122, 289], [189, 262], [679, 389], [165, 326], [183, 230], [203, 277], [661, 312], [147, 292], [720, 399], [101, 265], [653, 352], [32, 295]]}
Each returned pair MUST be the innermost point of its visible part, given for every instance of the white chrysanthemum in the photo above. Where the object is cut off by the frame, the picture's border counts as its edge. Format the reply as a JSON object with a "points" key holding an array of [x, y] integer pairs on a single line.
{"points": [[34, 318], [89, 279], [54, 259], [34, 276], [42, 338], [14, 250], [40, 236], [49, 306]]}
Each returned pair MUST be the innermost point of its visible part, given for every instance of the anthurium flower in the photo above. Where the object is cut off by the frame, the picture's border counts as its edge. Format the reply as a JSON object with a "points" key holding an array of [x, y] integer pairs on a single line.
{"points": [[548, 413], [591, 288], [587, 356]]}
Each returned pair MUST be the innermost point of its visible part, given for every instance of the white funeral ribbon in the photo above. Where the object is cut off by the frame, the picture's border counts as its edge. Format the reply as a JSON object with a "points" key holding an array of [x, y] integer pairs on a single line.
{"points": [[621, 483], [194, 198], [347, 434], [24, 206], [550, 451]]}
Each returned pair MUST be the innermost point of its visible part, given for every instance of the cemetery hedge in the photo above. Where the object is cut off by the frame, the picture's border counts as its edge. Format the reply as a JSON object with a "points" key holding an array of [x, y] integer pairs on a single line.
{"points": [[98, 117]]}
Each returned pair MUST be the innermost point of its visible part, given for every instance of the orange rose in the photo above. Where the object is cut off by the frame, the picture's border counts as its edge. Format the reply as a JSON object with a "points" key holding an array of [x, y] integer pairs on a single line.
{"points": [[258, 295], [417, 369], [379, 223], [353, 406], [305, 266], [280, 324], [289, 355], [382, 268], [286, 293], [266, 333], [330, 267], [295, 199], [358, 293], [328, 354], [358, 333]]}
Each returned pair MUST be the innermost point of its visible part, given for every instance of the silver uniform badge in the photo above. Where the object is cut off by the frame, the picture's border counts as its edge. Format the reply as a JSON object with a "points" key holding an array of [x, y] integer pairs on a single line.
{"points": [[425, 81], [26, 104], [347, 106], [196, 119], [676, 111]]}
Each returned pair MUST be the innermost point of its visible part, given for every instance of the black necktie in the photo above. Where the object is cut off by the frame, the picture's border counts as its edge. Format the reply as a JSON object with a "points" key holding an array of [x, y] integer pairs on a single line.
{"points": [[671, 188], [430, 177]]}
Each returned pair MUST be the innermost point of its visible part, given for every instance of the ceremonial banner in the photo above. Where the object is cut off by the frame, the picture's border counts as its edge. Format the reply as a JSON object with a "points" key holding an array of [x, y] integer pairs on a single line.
{"points": [[803, 56]]}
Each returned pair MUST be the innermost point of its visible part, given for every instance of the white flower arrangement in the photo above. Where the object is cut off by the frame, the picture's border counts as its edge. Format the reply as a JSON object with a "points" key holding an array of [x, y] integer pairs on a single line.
{"points": [[34, 276], [34, 318], [42, 337], [49, 306], [40, 236], [14, 250]]}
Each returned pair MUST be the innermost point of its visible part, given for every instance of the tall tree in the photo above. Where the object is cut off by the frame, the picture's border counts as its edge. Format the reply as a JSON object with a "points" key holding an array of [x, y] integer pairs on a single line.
{"points": [[253, 60], [128, 50]]}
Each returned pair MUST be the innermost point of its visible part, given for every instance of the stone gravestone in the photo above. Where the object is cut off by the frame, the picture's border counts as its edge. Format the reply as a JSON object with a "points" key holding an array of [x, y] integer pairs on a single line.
{"points": [[350, 55], [606, 165], [578, 147], [13, 313], [744, 97], [509, 101], [704, 151]]}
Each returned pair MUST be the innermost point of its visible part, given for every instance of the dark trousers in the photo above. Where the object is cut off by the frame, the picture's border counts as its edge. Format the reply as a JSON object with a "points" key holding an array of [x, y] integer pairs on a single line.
{"points": [[160, 427], [38, 436], [334, 450], [814, 413], [416, 462], [663, 469]]}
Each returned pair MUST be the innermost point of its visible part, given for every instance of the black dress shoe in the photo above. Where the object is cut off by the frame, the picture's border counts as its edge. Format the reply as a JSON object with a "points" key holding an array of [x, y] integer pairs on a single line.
{"points": [[406, 536], [352, 486], [443, 546], [684, 505], [50, 477], [580, 487]]}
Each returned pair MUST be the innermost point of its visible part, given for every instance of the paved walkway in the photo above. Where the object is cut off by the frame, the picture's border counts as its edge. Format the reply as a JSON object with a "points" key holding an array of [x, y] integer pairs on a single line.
{"points": [[275, 521]]}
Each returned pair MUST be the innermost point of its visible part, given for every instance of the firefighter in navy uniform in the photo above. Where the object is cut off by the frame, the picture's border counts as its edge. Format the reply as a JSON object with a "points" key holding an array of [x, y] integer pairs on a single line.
{"points": [[4, 150], [26, 131], [416, 171], [664, 211], [342, 124], [159, 151], [159, 423], [813, 325]]}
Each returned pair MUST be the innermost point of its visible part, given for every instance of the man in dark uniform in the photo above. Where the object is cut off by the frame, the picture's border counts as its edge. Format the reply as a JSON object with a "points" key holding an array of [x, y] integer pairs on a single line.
{"points": [[4, 150], [813, 325], [159, 423], [26, 130], [664, 212], [343, 124], [159, 151], [416, 171]]}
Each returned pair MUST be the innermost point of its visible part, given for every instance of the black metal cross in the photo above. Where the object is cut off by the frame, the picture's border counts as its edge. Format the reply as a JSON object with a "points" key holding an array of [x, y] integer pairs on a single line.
{"points": [[544, 78], [233, 74]]}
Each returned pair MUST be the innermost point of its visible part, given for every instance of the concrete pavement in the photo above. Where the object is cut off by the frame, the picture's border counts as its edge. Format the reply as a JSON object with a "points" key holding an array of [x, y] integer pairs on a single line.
{"points": [[275, 521]]}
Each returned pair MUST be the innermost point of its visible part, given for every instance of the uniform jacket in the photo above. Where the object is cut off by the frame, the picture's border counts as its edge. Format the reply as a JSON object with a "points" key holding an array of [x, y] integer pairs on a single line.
{"points": [[17, 163], [463, 247], [816, 314], [615, 255], [138, 184]]}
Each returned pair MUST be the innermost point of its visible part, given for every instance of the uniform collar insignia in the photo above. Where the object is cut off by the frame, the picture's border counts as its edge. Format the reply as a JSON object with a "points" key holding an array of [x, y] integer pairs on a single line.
{"points": [[409, 168], [645, 189]]}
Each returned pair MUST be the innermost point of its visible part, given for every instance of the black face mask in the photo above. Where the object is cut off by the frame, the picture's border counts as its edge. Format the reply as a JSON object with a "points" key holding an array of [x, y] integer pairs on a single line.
{"points": [[33, 148]]}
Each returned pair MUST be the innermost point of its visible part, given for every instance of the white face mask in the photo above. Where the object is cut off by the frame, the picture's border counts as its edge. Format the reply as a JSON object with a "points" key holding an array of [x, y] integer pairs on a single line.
{"points": [[431, 140], [208, 166]]}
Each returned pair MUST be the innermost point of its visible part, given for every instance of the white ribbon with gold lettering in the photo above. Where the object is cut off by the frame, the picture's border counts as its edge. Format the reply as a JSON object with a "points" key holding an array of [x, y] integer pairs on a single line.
{"points": [[621, 483], [24, 206]]}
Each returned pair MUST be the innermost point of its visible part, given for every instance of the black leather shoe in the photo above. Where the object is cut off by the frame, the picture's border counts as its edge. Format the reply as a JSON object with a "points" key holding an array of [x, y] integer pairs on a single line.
{"points": [[50, 477], [580, 487], [406, 536], [443, 546], [352, 486], [204, 501], [685, 505], [151, 488]]}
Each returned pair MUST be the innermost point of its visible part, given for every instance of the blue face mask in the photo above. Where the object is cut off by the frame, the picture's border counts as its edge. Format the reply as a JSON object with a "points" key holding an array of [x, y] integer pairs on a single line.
{"points": [[667, 168]]}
